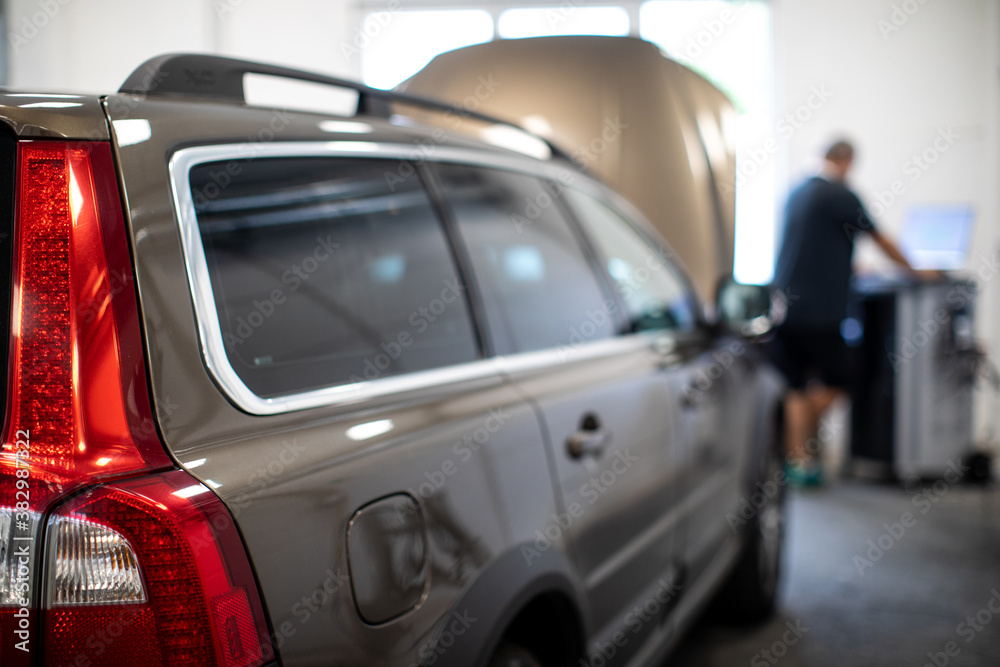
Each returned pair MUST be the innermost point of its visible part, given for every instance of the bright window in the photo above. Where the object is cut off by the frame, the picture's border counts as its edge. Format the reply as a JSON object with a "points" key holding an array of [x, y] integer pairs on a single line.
{"points": [[397, 45], [730, 44], [567, 19]]}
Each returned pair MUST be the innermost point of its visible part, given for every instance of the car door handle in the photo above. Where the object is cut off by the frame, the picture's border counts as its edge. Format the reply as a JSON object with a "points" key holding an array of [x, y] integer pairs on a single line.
{"points": [[587, 443]]}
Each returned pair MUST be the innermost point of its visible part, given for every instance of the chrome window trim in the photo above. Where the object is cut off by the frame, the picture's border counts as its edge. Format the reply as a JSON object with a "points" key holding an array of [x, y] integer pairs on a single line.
{"points": [[206, 312]]}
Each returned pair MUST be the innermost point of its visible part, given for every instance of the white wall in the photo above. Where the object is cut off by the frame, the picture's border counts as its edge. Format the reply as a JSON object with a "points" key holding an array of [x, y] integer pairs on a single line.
{"points": [[92, 45], [892, 90]]}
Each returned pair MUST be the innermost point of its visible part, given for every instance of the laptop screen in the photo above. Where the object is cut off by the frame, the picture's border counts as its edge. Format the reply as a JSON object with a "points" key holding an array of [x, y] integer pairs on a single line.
{"points": [[937, 236]]}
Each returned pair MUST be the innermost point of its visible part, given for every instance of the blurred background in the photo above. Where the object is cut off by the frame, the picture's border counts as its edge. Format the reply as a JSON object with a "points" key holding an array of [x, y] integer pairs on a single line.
{"points": [[915, 84]]}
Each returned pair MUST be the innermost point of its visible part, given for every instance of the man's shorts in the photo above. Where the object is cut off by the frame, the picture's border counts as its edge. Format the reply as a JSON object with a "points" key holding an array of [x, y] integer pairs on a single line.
{"points": [[805, 355]]}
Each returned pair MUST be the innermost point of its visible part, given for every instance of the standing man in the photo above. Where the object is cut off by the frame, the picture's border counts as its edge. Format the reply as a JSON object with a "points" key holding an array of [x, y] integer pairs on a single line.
{"points": [[823, 220]]}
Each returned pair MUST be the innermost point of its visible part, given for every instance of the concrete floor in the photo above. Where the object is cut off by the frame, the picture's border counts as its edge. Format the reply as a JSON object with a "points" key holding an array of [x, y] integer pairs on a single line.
{"points": [[911, 600]]}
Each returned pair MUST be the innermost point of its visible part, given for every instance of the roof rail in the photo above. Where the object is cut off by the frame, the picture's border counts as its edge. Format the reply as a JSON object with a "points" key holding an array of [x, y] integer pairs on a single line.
{"points": [[219, 77]]}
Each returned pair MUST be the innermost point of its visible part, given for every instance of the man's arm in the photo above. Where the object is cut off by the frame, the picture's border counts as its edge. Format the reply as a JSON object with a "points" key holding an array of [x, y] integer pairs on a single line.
{"points": [[893, 252], [890, 249]]}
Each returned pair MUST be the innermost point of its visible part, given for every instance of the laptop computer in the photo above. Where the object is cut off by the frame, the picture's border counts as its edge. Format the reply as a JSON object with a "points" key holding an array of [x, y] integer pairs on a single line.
{"points": [[937, 236]]}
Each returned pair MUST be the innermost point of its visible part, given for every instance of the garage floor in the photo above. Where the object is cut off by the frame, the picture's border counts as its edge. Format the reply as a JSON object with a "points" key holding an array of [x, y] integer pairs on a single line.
{"points": [[919, 583]]}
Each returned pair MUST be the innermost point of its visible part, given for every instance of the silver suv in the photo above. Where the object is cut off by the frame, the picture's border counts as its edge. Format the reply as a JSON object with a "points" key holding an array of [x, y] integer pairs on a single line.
{"points": [[287, 388]]}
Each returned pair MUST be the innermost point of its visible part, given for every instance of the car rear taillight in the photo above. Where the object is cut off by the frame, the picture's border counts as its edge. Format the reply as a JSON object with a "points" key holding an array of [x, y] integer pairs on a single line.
{"points": [[133, 563], [190, 605]]}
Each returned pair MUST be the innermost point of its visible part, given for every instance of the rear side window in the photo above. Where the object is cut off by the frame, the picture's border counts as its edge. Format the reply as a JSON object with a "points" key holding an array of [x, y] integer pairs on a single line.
{"points": [[654, 293], [539, 289], [324, 275]]}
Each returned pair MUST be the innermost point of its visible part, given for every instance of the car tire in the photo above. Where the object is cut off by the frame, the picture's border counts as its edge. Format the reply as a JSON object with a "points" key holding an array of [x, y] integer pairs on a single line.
{"points": [[513, 655], [750, 594]]}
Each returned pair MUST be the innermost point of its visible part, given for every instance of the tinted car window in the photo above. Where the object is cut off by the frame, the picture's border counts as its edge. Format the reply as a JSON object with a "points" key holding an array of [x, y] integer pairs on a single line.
{"points": [[655, 295], [324, 275], [539, 289]]}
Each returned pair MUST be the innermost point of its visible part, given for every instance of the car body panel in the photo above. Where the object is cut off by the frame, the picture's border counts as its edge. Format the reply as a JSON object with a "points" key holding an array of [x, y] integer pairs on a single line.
{"points": [[614, 502], [294, 476], [709, 390], [54, 116]]}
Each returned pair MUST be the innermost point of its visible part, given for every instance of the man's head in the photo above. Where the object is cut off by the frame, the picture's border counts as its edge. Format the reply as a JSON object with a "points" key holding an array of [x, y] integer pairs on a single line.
{"points": [[839, 157]]}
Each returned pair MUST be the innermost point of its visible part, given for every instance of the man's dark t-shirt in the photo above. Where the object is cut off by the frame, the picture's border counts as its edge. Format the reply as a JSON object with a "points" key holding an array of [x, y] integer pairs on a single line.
{"points": [[814, 265]]}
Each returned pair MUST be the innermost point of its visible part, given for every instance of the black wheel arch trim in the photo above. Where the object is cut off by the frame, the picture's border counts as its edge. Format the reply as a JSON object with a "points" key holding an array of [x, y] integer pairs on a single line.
{"points": [[487, 608]]}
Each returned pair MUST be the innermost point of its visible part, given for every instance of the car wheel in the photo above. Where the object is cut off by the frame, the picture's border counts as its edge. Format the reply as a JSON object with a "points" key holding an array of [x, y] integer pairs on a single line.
{"points": [[751, 592], [512, 655]]}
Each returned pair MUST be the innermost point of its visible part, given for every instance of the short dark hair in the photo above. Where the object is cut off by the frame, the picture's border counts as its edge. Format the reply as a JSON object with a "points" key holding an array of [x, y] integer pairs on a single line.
{"points": [[840, 150]]}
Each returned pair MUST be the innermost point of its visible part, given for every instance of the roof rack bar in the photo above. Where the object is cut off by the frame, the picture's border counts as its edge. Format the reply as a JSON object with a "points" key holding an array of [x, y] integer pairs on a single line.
{"points": [[219, 77]]}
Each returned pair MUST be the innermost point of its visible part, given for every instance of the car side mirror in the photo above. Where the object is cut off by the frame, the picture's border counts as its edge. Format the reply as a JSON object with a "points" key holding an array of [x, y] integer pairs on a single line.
{"points": [[744, 309]]}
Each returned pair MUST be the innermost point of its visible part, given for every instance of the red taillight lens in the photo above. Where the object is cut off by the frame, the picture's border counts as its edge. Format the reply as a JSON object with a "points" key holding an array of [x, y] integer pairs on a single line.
{"points": [[78, 382], [174, 590], [201, 604]]}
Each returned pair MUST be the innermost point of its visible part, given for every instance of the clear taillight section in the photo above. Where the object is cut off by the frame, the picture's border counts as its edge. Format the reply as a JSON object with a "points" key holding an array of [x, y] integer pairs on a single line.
{"points": [[6, 580], [141, 565], [15, 575], [91, 564]]}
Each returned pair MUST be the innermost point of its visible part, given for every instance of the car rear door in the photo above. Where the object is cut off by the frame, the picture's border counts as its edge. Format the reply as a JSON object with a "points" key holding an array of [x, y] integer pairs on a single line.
{"points": [[602, 398]]}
